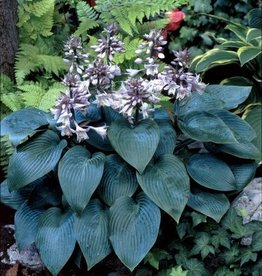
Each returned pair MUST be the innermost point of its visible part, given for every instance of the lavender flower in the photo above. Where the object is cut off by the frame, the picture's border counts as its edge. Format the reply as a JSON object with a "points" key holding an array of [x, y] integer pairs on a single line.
{"points": [[109, 44], [74, 56]]}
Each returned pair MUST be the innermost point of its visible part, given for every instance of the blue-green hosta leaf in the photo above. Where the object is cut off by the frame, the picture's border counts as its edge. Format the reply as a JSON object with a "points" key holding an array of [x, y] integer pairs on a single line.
{"points": [[92, 233], [242, 131], [248, 53], [79, 175], [257, 242], [253, 34], [206, 127], [26, 221], [254, 118], [23, 123], [211, 172], [211, 205], [34, 159], [243, 173], [242, 150], [55, 238], [255, 18], [119, 179], [214, 97], [167, 141], [99, 142], [167, 184], [16, 198], [135, 144], [134, 226]]}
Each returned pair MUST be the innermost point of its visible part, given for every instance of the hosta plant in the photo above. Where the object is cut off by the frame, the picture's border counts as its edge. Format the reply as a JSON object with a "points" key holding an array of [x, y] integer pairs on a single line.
{"points": [[119, 149]]}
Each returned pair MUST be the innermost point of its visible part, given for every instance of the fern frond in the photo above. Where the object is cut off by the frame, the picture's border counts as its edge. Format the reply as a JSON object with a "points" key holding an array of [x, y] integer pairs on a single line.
{"points": [[39, 8], [6, 151], [87, 16], [130, 46], [30, 59], [12, 101], [150, 25]]}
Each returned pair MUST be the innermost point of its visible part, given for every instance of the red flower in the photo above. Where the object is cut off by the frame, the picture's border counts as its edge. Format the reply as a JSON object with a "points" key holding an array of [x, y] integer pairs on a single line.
{"points": [[92, 3], [176, 17]]}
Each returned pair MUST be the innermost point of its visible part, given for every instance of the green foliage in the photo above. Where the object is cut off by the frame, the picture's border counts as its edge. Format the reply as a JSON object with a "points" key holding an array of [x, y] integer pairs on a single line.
{"points": [[200, 29]]}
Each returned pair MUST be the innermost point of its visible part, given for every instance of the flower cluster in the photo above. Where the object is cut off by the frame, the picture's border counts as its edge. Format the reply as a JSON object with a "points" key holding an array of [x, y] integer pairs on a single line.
{"points": [[91, 82], [179, 82]]}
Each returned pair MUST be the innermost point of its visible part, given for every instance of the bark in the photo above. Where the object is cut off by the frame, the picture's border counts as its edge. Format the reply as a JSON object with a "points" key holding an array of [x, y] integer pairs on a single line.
{"points": [[8, 36]]}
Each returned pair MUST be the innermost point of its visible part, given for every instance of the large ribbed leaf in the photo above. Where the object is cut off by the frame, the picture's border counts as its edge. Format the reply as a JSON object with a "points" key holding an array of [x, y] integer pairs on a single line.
{"points": [[34, 159], [16, 198], [212, 205], [211, 172], [206, 127], [254, 118], [134, 227], [135, 144], [92, 233], [167, 141], [242, 131], [79, 176], [244, 173], [167, 184], [119, 179], [243, 150], [22, 123], [214, 97], [26, 221], [99, 142], [55, 238]]}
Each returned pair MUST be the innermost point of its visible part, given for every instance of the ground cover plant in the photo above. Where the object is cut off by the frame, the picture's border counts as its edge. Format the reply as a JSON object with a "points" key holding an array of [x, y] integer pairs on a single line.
{"points": [[120, 148]]}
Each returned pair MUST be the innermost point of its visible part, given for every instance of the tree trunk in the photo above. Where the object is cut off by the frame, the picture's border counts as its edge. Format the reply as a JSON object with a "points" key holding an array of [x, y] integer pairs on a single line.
{"points": [[8, 36]]}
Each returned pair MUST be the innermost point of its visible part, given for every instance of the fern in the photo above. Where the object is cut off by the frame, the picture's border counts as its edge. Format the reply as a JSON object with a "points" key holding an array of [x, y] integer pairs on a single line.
{"points": [[29, 59], [6, 151], [35, 18], [127, 13], [87, 16]]}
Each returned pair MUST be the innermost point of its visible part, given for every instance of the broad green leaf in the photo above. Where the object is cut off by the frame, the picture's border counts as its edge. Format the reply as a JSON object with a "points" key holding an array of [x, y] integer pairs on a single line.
{"points": [[206, 127], [195, 268], [254, 118], [255, 18], [135, 144], [242, 131], [231, 95], [242, 150], [23, 123], [211, 172], [167, 141], [253, 33], [244, 173], [34, 159], [214, 97], [257, 242], [231, 255], [215, 57], [97, 141], [26, 221], [167, 183], [232, 44], [134, 226], [92, 233], [55, 238], [119, 179], [211, 205], [79, 175], [239, 30], [248, 53], [247, 255], [16, 198]]}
